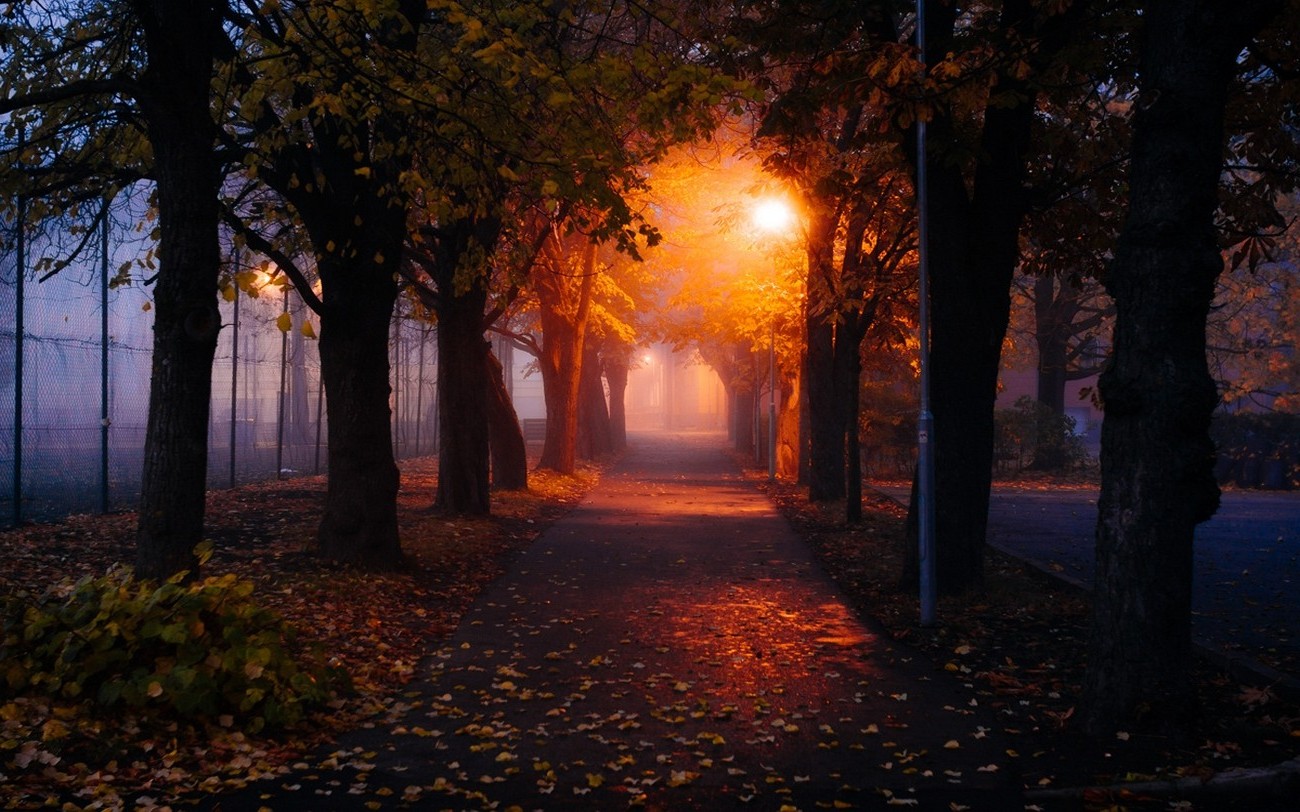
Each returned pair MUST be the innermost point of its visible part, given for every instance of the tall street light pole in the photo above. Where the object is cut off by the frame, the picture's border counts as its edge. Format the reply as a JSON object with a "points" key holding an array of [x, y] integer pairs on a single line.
{"points": [[771, 399], [925, 421]]}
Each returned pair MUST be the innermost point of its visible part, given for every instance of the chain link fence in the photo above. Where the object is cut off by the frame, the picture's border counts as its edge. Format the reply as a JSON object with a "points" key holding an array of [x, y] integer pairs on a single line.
{"points": [[75, 357]]}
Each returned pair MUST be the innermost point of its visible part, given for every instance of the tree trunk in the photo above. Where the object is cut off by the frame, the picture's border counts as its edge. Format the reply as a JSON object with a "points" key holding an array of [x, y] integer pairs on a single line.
{"points": [[594, 436], [1051, 336], [563, 336], [1157, 457], [505, 437], [825, 412], [849, 378], [742, 413], [826, 453], [972, 259], [179, 41], [788, 441], [463, 390], [616, 375], [359, 522]]}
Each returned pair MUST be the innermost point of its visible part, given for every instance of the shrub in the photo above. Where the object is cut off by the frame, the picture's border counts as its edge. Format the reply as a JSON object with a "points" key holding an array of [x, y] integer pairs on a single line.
{"points": [[194, 650], [1250, 443], [1032, 435]]}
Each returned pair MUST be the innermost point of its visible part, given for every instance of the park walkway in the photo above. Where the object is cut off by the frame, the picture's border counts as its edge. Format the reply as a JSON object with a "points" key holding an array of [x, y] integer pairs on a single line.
{"points": [[670, 644]]}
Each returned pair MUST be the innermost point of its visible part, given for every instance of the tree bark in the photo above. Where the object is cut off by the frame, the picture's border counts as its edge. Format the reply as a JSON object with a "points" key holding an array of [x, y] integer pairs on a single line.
{"points": [[1052, 322], [180, 42], [616, 376], [1157, 456], [564, 332], [464, 484], [505, 437], [359, 522], [741, 396], [355, 218], [826, 419], [850, 377], [972, 259], [594, 435], [788, 443]]}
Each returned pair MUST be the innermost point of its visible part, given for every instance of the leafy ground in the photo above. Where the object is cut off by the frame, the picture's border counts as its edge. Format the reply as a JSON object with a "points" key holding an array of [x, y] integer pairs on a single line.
{"points": [[375, 626], [1020, 644]]}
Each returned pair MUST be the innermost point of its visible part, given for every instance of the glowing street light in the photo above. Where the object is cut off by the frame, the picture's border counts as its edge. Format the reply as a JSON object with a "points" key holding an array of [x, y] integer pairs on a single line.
{"points": [[773, 215]]}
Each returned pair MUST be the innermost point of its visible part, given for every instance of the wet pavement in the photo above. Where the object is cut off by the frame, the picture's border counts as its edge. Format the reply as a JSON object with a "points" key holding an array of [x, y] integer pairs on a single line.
{"points": [[669, 645]]}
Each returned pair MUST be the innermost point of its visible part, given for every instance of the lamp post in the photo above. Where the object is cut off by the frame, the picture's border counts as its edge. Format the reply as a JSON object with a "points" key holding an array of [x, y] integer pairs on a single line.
{"points": [[925, 420], [771, 399]]}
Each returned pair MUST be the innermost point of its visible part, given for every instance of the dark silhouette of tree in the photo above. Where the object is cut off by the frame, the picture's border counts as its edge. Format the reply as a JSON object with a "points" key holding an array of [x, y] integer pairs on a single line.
{"points": [[1157, 457], [90, 93], [328, 146]]}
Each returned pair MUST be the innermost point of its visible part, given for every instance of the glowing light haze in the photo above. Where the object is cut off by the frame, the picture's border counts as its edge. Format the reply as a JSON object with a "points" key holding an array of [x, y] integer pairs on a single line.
{"points": [[773, 215]]}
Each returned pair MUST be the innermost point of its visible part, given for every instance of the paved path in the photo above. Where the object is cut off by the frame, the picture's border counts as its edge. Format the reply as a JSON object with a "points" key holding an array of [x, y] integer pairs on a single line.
{"points": [[668, 645]]}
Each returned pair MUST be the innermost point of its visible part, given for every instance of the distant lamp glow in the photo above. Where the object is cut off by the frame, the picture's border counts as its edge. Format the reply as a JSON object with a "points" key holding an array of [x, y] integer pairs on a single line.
{"points": [[648, 358], [773, 215]]}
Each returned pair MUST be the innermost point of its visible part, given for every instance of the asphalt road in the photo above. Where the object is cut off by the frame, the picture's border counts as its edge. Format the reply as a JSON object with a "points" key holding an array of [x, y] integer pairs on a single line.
{"points": [[1246, 594]]}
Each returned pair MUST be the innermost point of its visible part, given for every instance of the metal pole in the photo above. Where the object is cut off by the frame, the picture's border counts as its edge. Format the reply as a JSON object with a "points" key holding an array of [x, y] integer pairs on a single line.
{"points": [[925, 421], [234, 365], [320, 411], [103, 364], [20, 247], [419, 390], [284, 369], [771, 401], [396, 370]]}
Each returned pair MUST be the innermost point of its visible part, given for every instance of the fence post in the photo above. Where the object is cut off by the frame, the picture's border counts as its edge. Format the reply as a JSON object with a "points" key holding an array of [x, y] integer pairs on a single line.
{"points": [[320, 411], [419, 389], [103, 362], [20, 247], [234, 362], [284, 368], [396, 372]]}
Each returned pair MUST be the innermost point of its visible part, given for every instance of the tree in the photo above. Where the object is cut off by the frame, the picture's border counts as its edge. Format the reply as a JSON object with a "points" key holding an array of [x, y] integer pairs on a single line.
{"points": [[323, 112], [182, 43], [1076, 182], [505, 437], [1254, 323], [1157, 458], [860, 245], [563, 282], [166, 83], [603, 88], [987, 63], [981, 146], [1058, 325]]}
